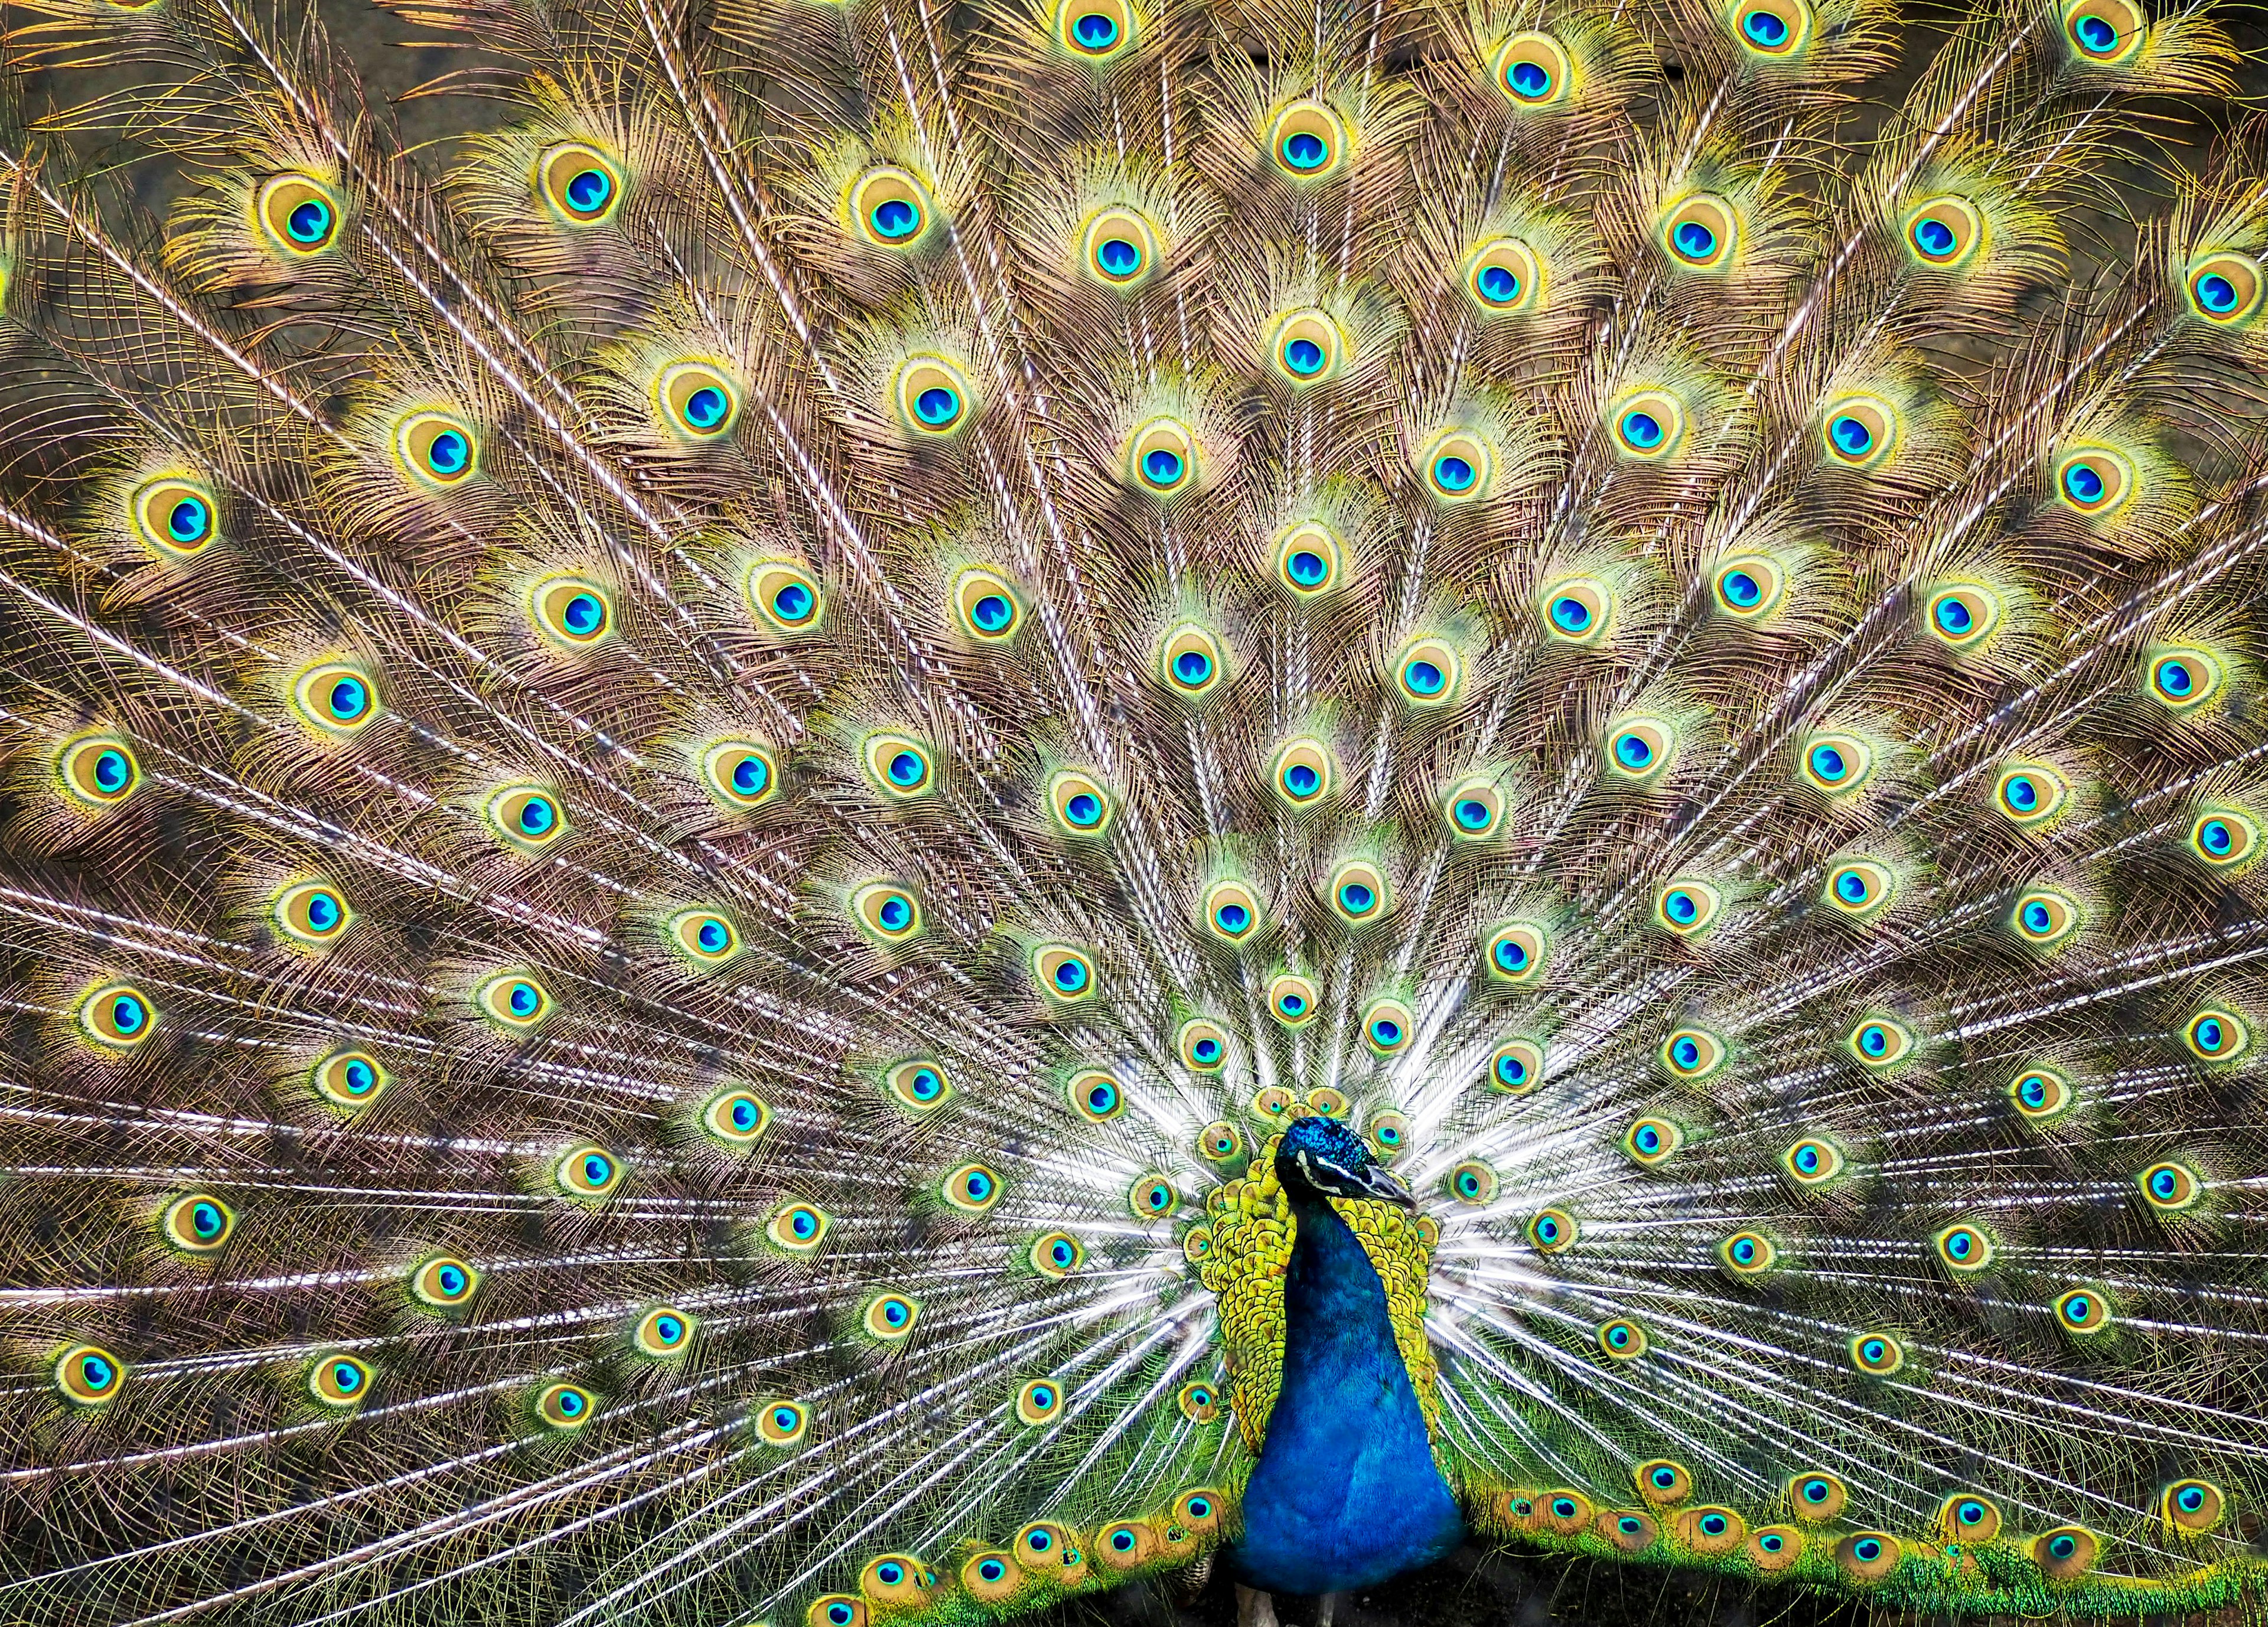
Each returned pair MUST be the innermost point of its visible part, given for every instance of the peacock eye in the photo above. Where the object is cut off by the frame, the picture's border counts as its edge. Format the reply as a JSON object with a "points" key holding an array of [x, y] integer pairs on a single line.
{"points": [[582, 184], [785, 595], [798, 1228], [299, 214], [891, 913]]}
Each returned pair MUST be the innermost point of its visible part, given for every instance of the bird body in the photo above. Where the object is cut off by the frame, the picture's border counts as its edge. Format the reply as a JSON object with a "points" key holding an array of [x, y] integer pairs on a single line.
{"points": [[878, 811]]}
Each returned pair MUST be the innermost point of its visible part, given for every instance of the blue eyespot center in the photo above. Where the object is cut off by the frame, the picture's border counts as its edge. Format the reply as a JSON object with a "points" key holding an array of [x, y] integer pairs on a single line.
{"points": [[895, 914], [1850, 886], [1233, 917], [310, 221], [1094, 30], [1423, 677], [524, 1000], [188, 520], [750, 777], [2084, 482], [1453, 473], [536, 816], [1933, 237], [937, 405], [1642, 430], [2173, 677], [1070, 976], [1686, 1053], [1119, 257], [705, 407], [1474, 814], [895, 217], [1304, 356], [1386, 1031], [112, 772], [1767, 29], [1530, 81], [128, 1014], [1571, 614], [744, 1114], [1306, 150], [1873, 1039], [1161, 466], [2190, 1498], [448, 454], [2096, 35], [794, 602], [907, 768], [1083, 809], [1301, 780], [1511, 1070], [323, 912], [2216, 293], [1681, 906], [1292, 1004], [1192, 667], [924, 1084], [1206, 1050], [1497, 285], [1694, 241], [2213, 834], [588, 190], [1308, 568], [1355, 898], [992, 613], [1827, 763], [1632, 751], [1851, 436]]}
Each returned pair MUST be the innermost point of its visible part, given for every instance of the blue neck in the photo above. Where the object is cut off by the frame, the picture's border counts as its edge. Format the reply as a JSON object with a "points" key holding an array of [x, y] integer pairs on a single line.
{"points": [[1346, 1492]]}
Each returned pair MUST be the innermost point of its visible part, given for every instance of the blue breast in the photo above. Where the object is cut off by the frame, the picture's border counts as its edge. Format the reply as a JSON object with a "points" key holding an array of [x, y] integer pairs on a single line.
{"points": [[1346, 1492]]}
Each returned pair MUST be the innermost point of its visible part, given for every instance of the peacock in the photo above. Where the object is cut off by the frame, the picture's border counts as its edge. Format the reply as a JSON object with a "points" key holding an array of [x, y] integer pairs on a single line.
{"points": [[871, 812]]}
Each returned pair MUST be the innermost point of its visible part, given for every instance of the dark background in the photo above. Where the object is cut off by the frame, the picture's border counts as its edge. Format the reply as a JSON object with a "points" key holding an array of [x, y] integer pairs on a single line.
{"points": [[1477, 1587]]}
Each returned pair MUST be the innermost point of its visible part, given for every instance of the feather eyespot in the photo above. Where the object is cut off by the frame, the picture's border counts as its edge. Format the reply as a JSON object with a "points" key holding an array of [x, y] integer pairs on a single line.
{"points": [[1964, 1517], [1747, 587], [1534, 72], [312, 913], [1861, 431], [1218, 1143], [1473, 809], [1516, 953], [1877, 1043], [664, 1333], [1575, 610], [1152, 1197], [1551, 1231], [704, 938], [1701, 233], [1516, 1068], [299, 214], [797, 1227], [835, 1610], [735, 1118], [932, 395], [2170, 1187], [196, 1225], [1773, 30], [1308, 560], [1647, 425], [1692, 1054], [697, 400], [889, 208], [2044, 918], [1457, 467], [1357, 893], [1877, 1355], [2192, 1508], [1192, 662], [1503, 276], [349, 1079], [1653, 1140], [87, 1375], [514, 999], [897, 1580], [988, 608], [1056, 1254], [526, 817], [339, 1381], [1963, 1248], [1943, 232], [2030, 794], [438, 449], [1816, 1497], [1119, 248], [1203, 1044], [2093, 480], [1096, 30], [443, 1283], [2104, 32], [1126, 1544], [1082, 805], [2224, 838], [1775, 1548], [899, 767], [1747, 1253], [117, 1016], [2224, 289], [1065, 973], [991, 1579], [571, 612], [2082, 1312], [1812, 1162], [1306, 347], [1663, 1482], [1834, 765], [1687, 908], [1303, 772], [2067, 1553], [973, 1188], [1096, 1095], [1868, 1556], [587, 1172], [175, 515], [1039, 1402], [1386, 1026], [581, 183], [1621, 1339], [2039, 1094], [1308, 142], [890, 1317], [1859, 888], [918, 1086], [1389, 1135], [1962, 616], [565, 1408], [98, 770], [1292, 999], [1639, 750], [2181, 680], [782, 1423], [891, 913], [1429, 674], [785, 594], [338, 698], [1161, 458]]}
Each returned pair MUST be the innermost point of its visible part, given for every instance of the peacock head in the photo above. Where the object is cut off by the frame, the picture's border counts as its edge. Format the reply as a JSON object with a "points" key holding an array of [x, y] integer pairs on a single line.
{"points": [[1324, 1157]]}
